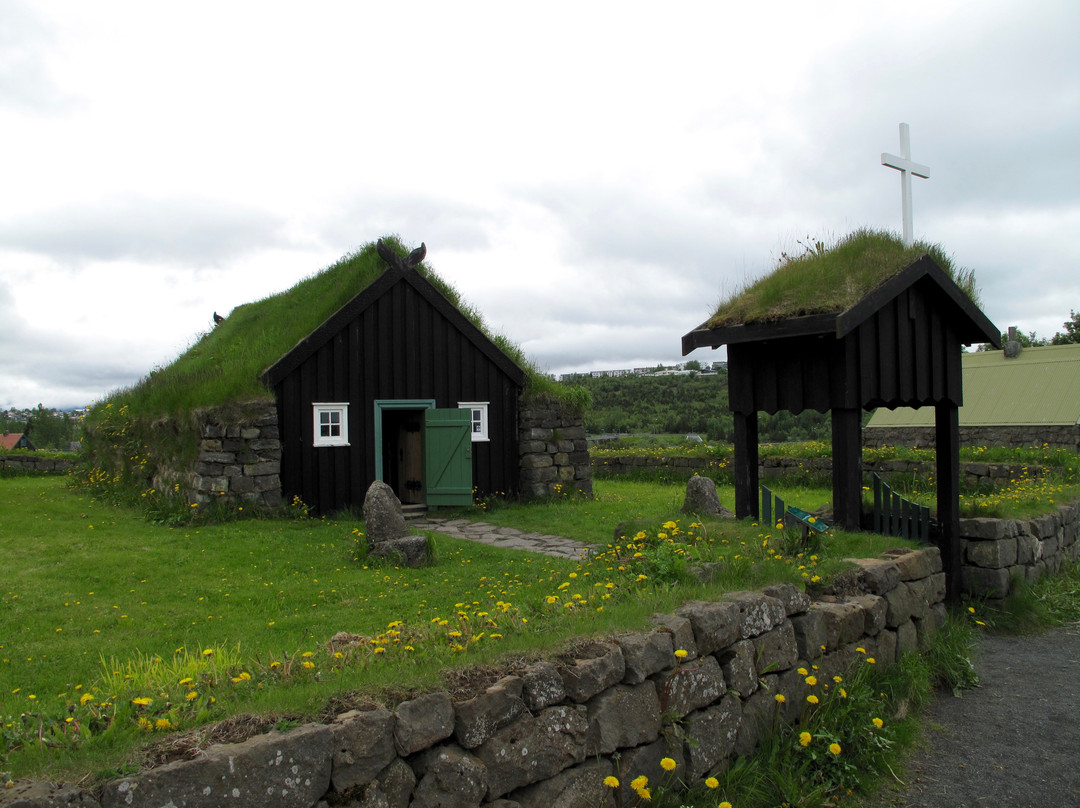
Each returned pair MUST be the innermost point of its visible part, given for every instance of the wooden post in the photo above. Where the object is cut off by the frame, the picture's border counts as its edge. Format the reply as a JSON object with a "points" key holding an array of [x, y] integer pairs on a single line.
{"points": [[746, 465], [847, 467], [947, 432]]}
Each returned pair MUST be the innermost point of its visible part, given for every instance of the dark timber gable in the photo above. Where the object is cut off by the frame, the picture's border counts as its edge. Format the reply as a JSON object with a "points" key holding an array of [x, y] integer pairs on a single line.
{"points": [[399, 339], [899, 346]]}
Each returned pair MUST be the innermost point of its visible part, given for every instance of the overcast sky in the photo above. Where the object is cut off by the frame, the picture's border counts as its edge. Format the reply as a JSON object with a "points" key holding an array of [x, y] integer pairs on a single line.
{"points": [[593, 177]]}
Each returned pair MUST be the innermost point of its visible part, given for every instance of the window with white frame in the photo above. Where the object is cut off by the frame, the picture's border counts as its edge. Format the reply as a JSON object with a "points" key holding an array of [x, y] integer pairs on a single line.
{"points": [[479, 410], [331, 424]]}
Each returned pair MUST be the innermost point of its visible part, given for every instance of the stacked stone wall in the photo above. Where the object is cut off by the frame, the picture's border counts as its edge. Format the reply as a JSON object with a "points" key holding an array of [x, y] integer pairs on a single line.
{"points": [[553, 452], [32, 464], [1013, 437], [549, 733], [998, 551], [997, 475], [239, 459]]}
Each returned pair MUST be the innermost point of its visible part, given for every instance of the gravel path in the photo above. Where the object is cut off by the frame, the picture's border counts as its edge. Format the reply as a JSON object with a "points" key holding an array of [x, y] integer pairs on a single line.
{"points": [[1013, 741]]}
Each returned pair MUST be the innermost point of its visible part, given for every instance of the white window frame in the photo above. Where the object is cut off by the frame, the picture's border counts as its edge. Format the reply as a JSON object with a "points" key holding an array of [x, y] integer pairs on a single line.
{"points": [[478, 435], [318, 408]]}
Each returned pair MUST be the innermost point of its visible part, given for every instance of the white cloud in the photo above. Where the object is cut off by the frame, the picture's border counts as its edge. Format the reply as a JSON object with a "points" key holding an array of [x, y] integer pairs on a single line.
{"points": [[592, 178]]}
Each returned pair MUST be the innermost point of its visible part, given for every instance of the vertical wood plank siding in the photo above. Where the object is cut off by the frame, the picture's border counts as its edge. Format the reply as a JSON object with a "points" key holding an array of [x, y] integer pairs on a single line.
{"points": [[891, 360], [400, 346]]}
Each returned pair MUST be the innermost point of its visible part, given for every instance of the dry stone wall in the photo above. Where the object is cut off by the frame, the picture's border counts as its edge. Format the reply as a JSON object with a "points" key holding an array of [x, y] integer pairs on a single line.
{"points": [[553, 452], [1019, 437], [998, 551], [549, 734], [996, 475], [32, 464], [239, 458]]}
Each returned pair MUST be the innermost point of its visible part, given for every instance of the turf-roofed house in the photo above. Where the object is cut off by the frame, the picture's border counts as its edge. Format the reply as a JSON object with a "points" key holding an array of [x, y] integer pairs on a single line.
{"points": [[372, 369], [864, 324]]}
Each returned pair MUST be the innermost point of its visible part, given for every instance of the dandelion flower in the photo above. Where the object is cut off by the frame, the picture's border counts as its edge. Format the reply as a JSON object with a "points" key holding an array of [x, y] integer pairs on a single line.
{"points": [[667, 764], [724, 804], [871, 660], [834, 748], [682, 653], [639, 783], [644, 793], [877, 722], [780, 698], [611, 782], [802, 671], [812, 699], [142, 701], [712, 782], [805, 738], [811, 680]]}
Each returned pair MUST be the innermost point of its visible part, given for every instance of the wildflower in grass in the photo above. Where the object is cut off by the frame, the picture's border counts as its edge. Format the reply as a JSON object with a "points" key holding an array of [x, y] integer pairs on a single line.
{"points": [[142, 701], [861, 650], [877, 722], [805, 738], [611, 782], [843, 693], [838, 679], [682, 653], [208, 652], [724, 804], [163, 724], [811, 680], [639, 783], [307, 663], [812, 699], [192, 695], [667, 764], [834, 748], [712, 782], [780, 698], [871, 660], [85, 697], [802, 671]]}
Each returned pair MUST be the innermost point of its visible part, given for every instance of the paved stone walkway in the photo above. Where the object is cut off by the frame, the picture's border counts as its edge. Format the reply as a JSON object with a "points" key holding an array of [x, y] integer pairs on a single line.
{"points": [[513, 538]]}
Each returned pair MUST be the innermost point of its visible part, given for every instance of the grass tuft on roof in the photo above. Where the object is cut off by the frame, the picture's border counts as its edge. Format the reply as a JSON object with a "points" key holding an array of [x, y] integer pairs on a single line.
{"points": [[827, 279], [224, 364]]}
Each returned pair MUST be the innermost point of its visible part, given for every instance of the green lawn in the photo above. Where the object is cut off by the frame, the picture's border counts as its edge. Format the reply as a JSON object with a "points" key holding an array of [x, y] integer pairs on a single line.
{"points": [[131, 629]]}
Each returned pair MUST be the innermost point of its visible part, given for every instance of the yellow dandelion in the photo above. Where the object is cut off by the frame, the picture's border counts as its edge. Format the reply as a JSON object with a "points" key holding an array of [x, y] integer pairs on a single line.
{"points": [[834, 748], [812, 699], [712, 782], [877, 722], [667, 764], [805, 738], [682, 653], [611, 782], [780, 698]]}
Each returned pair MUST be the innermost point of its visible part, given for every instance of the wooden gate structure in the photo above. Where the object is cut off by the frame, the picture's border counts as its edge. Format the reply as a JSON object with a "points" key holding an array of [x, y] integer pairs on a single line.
{"points": [[898, 346]]}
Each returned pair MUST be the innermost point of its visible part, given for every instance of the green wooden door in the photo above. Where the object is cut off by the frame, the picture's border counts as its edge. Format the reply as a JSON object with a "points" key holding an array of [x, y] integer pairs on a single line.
{"points": [[448, 457]]}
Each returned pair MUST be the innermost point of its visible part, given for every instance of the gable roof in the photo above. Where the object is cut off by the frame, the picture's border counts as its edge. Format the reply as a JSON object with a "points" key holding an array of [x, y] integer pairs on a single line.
{"points": [[971, 324], [10, 440], [226, 363], [1040, 387], [380, 286]]}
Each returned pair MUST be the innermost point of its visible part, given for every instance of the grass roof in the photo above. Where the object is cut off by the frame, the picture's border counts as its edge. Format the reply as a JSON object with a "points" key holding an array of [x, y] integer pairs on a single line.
{"points": [[224, 364], [830, 279]]}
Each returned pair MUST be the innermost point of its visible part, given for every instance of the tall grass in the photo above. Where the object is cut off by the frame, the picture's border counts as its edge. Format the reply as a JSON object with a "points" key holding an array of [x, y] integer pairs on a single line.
{"points": [[830, 278]]}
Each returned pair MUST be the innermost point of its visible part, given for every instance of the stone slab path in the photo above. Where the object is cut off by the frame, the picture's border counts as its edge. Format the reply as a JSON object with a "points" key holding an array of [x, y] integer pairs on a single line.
{"points": [[513, 538]]}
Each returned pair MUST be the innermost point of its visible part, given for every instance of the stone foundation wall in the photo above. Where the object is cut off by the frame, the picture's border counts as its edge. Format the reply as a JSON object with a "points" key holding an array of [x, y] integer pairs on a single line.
{"points": [[32, 464], [1019, 437], [239, 459], [995, 551], [554, 455], [548, 734]]}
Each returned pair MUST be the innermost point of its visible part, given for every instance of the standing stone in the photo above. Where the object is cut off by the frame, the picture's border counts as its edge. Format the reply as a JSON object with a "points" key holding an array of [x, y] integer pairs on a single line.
{"points": [[702, 499], [382, 514]]}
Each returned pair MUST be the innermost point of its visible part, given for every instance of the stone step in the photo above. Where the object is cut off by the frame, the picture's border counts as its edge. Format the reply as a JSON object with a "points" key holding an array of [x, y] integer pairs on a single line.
{"points": [[411, 512]]}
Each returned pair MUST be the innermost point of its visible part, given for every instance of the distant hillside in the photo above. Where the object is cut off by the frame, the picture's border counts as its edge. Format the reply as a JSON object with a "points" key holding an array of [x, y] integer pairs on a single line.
{"points": [[674, 404]]}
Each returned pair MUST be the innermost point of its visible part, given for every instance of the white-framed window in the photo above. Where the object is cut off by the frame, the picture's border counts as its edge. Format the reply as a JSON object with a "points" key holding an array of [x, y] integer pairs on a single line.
{"points": [[331, 424], [479, 411]]}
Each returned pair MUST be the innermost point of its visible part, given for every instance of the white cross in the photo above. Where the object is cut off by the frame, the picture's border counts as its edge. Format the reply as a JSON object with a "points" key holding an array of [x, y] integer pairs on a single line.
{"points": [[906, 168]]}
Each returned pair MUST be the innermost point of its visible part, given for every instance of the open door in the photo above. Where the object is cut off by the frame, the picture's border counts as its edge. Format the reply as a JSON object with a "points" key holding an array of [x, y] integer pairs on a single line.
{"points": [[448, 457]]}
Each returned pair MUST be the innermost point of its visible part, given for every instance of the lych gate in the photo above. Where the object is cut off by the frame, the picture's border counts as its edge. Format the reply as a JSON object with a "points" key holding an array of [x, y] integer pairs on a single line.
{"points": [[898, 346]]}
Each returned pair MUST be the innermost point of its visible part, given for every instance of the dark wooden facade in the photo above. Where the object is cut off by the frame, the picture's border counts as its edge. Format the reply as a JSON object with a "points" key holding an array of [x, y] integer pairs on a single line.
{"points": [[396, 348], [900, 346]]}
